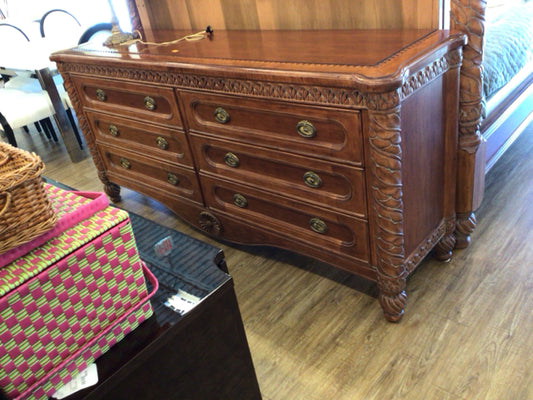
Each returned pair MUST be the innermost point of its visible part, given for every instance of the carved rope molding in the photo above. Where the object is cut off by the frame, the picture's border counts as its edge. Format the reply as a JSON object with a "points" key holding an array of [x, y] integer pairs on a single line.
{"points": [[426, 246], [111, 189], [82, 121], [385, 165], [431, 72]]}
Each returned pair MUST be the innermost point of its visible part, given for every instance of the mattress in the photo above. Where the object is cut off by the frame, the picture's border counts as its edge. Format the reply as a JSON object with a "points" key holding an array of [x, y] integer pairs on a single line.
{"points": [[508, 46]]}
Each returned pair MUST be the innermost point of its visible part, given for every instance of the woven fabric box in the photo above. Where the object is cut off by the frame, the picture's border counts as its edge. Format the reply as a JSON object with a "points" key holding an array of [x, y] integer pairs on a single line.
{"points": [[67, 301], [25, 211]]}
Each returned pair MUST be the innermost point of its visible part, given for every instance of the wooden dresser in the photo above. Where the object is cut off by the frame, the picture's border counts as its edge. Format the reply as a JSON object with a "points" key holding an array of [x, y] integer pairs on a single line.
{"points": [[340, 145]]}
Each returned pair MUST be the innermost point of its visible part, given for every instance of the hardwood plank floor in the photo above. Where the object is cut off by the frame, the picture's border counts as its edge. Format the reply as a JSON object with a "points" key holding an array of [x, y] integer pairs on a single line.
{"points": [[317, 333]]}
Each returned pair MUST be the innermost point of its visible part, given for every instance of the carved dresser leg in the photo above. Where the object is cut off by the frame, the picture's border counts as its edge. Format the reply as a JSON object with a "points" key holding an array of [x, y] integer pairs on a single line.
{"points": [[113, 191], [466, 223], [392, 297], [443, 249]]}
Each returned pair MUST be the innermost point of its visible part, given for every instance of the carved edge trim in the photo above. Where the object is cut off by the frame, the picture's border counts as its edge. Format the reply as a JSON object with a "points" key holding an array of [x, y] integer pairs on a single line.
{"points": [[445, 227], [298, 93], [431, 72]]}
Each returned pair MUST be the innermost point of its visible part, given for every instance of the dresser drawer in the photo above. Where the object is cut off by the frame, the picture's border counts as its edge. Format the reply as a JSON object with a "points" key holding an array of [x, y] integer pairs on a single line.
{"points": [[324, 183], [315, 131], [163, 143], [145, 102], [151, 172], [332, 232]]}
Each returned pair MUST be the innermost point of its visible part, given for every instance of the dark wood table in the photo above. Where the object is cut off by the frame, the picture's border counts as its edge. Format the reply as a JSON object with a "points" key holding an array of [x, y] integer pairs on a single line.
{"points": [[203, 354]]}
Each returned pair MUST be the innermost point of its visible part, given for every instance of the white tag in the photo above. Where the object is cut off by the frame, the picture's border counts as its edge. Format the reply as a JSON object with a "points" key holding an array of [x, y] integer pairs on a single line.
{"points": [[164, 247], [86, 378], [182, 302]]}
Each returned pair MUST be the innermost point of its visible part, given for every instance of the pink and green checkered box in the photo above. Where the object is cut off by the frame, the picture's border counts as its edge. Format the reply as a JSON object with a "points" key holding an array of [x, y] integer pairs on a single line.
{"points": [[67, 301]]}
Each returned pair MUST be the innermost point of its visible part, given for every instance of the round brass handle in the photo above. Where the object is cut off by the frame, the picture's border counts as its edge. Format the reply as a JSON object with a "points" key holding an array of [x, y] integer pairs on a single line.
{"points": [[100, 95], [240, 201], [312, 180], [125, 163], [317, 225], [306, 129], [221, 115], [149, 103], [231, 160], [113, 130], [161, 143], [172, 179]]}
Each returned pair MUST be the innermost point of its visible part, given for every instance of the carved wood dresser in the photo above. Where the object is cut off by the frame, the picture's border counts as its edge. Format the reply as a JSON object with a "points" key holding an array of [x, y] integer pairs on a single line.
{"points": [[340, 145]]}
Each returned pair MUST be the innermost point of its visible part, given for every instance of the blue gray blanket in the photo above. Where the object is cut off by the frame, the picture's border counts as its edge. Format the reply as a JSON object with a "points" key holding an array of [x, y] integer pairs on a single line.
{"points": [[508, 46]]}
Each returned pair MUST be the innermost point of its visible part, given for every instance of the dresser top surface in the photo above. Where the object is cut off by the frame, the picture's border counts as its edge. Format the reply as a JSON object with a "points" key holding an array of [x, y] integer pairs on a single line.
{"points": [[367, 53]]}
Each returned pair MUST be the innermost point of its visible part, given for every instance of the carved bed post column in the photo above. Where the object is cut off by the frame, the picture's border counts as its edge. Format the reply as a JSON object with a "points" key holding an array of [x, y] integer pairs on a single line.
{"points": [[468, 16], [134, 17], [111, 189], [387, 206]]}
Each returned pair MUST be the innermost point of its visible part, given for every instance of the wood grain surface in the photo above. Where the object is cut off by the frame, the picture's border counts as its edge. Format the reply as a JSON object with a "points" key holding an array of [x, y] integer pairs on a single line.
{"points": [[282, 14]]}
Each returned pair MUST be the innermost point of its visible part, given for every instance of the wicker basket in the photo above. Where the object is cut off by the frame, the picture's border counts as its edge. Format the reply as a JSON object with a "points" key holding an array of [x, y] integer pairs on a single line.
{"points": [[25, 211]]}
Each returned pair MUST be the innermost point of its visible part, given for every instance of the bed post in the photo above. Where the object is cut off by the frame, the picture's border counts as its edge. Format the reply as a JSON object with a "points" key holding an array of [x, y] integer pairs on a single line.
{"points": [[135, 18], [468, 16]]}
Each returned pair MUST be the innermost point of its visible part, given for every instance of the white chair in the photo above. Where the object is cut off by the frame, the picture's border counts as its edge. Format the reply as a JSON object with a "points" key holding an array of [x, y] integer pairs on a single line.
{"points": [[26, 81], [12, 33], [19, 109], [64, 30], [61, 27]]}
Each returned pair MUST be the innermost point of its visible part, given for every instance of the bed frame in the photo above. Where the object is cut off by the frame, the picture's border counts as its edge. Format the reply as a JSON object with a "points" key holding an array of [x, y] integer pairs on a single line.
{"points": [[486, 129]]}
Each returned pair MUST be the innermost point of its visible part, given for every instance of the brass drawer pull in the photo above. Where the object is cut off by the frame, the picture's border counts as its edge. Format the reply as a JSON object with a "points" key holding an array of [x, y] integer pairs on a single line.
{"points": [[161, 143], [317, 225], [100, 95], [172, 179], [306, 129], [125, 163], [149, 103], [240, 201], [231, 160], [113, 130], [312, 180], [221, 115]]}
